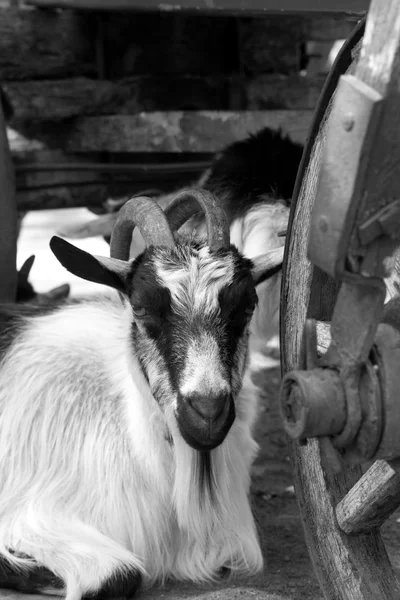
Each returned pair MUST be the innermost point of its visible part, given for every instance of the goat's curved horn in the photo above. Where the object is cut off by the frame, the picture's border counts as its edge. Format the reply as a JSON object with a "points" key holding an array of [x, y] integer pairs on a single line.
{"points": [[187, 203], [144, 213]]}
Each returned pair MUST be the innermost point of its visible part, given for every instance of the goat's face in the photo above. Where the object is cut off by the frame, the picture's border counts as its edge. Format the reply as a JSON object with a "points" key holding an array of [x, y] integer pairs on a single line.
{"points": [[191, 310], [190, 305]]}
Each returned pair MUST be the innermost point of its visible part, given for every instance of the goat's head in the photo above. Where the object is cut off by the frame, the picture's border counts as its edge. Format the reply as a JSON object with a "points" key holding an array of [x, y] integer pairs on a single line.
{"points": [[190, 304]]}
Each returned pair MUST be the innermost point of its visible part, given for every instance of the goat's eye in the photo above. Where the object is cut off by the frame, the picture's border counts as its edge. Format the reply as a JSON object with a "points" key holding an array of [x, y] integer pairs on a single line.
{"points": [[139, 312]]}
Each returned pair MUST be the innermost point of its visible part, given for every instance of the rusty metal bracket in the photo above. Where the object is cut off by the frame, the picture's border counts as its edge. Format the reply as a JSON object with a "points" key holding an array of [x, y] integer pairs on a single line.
{"points": [[350, 134]]}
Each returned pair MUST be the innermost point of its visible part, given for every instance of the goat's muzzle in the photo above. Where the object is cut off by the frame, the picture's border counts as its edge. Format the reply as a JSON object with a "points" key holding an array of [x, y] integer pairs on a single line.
{"points": [[204, 420]]}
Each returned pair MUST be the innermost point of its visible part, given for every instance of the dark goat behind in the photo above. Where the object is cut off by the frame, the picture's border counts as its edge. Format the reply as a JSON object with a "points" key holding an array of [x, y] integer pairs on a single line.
{"points": [[263, 164]]}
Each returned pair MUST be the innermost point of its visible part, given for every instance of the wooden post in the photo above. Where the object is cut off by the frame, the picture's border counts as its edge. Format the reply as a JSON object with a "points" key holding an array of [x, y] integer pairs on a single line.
{"points": [[8, 219]]}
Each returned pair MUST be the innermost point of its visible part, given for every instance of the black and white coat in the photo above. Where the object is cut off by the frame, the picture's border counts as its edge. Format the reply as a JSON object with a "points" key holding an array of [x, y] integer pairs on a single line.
{"points": [[111, 474]]}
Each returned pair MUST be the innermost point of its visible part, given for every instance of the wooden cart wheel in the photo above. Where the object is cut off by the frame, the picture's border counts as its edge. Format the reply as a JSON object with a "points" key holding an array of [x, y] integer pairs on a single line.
{"points": [[349, 567]]}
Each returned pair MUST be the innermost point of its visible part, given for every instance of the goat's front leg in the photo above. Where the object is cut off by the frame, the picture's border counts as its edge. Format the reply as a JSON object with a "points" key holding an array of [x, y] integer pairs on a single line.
{"points": [[65, 557]]}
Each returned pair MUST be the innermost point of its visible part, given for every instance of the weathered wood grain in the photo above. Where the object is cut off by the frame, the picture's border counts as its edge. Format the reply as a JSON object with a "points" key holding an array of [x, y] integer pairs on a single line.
{"points": [[324, 28], [260, 7], [371, 500], [291, 92], [37, 44], [58, 99], [379, 67], [190, 131], [40, 44], [8, 220], [69, 196], [348, 567], [48, 179]]}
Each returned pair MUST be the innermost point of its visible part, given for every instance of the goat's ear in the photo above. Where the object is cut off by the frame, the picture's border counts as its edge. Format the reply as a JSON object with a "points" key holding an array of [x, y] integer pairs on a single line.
{"points": [[99, 269], [23, 273], [267, 265]]}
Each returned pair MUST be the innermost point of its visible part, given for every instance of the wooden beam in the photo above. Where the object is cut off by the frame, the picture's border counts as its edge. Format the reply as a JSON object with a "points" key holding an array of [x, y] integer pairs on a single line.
{"points": [[329, 28], [69, 196], [64, 98], [60, 99], [176, 131], [291, 92], [48, 179], [371, 500], [40, 44], [215, 7]]}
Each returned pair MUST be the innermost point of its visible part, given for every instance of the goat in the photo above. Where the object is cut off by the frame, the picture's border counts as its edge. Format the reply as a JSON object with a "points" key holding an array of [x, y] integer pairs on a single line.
{"points": [[253, 180], [27, 293], [126, 421]]}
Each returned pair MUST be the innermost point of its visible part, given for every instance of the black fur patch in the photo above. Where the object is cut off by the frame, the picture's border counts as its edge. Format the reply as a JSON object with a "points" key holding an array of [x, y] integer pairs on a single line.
{"points": [[39, 579], [237, 301], [205, 475], [121, 585], [265, 163], [31, 582]]}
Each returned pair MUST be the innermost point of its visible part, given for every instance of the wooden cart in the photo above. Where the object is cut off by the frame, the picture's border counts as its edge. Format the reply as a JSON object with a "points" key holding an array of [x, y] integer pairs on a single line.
{"points": [[342, 508]]}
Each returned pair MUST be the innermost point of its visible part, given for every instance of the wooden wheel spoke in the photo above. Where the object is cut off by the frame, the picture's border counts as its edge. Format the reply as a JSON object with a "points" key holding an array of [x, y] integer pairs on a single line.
{"points": [[371, 500], [349, 567]]}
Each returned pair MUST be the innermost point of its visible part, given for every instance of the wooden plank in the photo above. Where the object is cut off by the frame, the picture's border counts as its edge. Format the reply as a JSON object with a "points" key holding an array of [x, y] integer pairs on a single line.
{"points": [[291, 92], [48, 179], [58, 99], [245, 7], [69, 196], [8, 220], [329, 28], [371, 501], [35, 44], [201, 131], [61, 99]]}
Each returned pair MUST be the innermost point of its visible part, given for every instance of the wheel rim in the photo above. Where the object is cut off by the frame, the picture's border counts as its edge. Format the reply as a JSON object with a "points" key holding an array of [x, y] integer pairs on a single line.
{"points": [[348, 567]]}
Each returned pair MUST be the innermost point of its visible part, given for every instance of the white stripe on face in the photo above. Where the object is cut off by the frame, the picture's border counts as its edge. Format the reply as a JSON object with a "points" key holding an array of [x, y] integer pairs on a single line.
{"points": [[195, 283], [203, 372]]}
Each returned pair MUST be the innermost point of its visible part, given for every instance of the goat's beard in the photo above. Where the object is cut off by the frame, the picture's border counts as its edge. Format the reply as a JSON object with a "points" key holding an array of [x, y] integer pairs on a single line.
{"points": [[210, 502], [197, 483]]}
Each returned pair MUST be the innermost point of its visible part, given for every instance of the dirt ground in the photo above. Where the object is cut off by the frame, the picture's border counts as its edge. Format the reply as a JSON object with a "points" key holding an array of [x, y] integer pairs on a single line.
{"points": [[288, 574]]}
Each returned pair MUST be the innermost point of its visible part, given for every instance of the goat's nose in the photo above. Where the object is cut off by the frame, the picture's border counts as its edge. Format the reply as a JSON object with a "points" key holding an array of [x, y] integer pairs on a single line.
{"points": [[210, 406]]}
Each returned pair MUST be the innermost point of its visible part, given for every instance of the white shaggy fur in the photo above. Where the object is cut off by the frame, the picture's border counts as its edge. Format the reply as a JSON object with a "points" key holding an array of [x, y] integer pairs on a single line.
{"points": [[202, 368], [254, 234], [93, 486]]}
